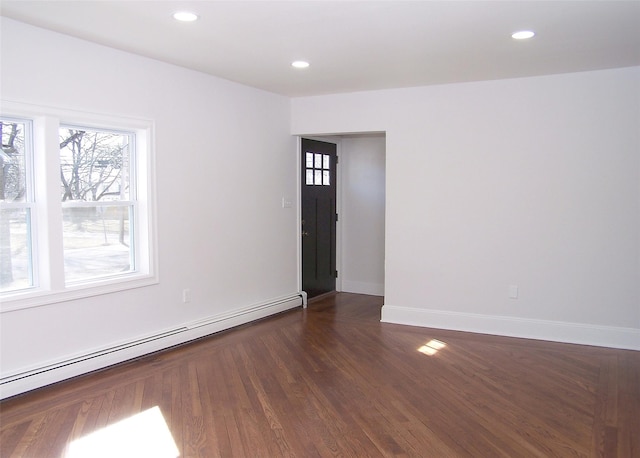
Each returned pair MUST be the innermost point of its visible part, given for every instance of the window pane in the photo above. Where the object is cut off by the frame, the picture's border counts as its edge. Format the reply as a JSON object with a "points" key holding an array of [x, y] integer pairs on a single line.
{"points": [[309, 179], [13, 161], [15, 249], [97, 241], [325, 178], [94, 165], [318, 177], [16, 269], [318, 164], [309, 160], [325, 161]]}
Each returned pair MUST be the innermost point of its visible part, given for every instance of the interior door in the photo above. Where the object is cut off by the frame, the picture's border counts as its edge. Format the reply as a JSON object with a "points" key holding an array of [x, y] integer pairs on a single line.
{"points": [[318, 217]]}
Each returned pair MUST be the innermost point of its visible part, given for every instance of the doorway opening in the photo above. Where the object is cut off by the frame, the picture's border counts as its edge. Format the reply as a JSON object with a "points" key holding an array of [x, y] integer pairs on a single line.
{"points": [[352, 223]]}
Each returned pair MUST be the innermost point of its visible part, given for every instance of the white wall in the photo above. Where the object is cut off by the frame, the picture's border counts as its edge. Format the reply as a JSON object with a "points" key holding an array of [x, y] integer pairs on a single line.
{"points": [[533, 182], [362, 184], [224, 161]]}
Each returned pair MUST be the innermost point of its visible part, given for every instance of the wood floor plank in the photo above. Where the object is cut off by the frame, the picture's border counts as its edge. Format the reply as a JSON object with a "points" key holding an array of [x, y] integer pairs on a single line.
{"points": [[12, 436], [332, 381]]}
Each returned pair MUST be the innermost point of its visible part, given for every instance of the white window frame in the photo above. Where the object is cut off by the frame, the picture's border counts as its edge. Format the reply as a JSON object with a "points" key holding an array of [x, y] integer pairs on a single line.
{"points": [[46, 218]]}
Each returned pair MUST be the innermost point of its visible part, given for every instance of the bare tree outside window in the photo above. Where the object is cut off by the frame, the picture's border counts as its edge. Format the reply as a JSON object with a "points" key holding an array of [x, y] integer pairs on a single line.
{"points": [[93, 165], [95, 187], [12, 161], [93, 231], [15, 255]]}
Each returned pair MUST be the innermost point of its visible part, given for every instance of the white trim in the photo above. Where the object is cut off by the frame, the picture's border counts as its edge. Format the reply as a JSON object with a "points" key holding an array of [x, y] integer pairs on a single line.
{"points": [[97, 203], [360, 287], [555, 331], [298, 221], [70, 116], [339, 227], [45, 373], [26, 205], [37, 297]]}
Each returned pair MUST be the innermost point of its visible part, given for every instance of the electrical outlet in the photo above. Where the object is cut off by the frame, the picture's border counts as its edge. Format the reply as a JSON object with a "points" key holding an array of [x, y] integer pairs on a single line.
{"points": [[186, 296]]}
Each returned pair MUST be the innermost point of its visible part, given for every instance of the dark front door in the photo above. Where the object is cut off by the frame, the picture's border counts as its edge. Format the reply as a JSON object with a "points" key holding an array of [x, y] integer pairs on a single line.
{"points": [[318, 217]]}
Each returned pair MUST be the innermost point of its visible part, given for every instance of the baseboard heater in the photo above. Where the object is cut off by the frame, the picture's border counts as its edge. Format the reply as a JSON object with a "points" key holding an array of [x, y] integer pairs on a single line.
{"points": [[88, 356], [46, 374]]}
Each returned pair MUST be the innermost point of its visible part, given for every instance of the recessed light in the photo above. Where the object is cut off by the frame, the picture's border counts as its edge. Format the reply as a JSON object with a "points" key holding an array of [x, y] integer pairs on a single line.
{"points": [[185, 16], [300, 64], [523, 35]]}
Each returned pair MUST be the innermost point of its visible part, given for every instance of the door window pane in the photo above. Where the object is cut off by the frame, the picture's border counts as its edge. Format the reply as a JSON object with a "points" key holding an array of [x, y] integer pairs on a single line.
{"points": [[317, 169]]}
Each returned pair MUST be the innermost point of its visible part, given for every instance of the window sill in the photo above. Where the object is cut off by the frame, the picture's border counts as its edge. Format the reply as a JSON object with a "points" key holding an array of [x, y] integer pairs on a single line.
{"points": [[38, 297]]}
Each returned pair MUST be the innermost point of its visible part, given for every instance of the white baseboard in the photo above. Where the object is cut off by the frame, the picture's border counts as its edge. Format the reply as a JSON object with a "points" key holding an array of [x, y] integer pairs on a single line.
{"points": [[555, 331], [374, 289], [74, 365]]}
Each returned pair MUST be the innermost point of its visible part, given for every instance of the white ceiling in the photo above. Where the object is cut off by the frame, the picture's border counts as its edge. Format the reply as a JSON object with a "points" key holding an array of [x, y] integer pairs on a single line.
{"points": [[355, 45]]}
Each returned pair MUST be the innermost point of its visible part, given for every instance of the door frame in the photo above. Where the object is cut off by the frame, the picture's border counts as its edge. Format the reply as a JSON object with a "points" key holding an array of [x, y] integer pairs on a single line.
{"points": [[336, 141]]}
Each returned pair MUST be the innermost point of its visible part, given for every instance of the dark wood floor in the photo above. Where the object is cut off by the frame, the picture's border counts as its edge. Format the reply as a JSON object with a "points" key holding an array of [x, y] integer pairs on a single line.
{"points": [[334, 381]]}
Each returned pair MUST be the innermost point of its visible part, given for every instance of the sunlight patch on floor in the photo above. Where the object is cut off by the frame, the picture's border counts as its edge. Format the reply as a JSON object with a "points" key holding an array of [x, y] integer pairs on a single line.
{"points": [[432, 347], [145, 434]]}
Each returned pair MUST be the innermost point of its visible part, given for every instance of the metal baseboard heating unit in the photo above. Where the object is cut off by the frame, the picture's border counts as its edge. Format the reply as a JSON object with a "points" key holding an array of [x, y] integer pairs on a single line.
{"points": [[52, 372]]}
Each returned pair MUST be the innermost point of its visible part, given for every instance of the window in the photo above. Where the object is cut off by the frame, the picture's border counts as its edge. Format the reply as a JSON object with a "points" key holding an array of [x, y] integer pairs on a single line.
{"points": [[16, 202], [98, 202], [75, 201], [317, 169]]}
